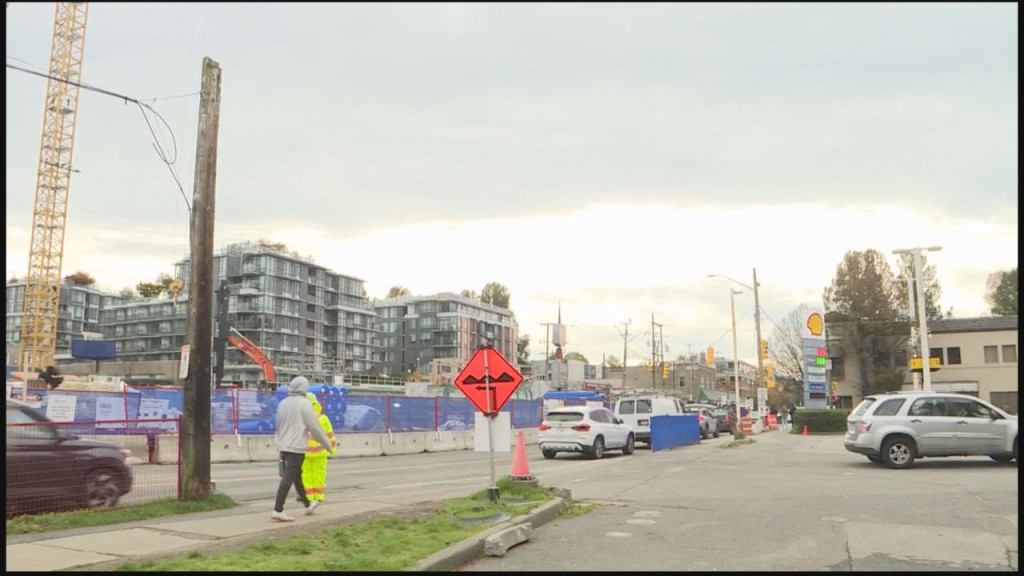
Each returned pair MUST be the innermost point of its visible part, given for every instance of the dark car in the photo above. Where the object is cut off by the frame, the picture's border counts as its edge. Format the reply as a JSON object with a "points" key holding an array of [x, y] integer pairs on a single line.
{"points": [[49, 469], [725, 418]]}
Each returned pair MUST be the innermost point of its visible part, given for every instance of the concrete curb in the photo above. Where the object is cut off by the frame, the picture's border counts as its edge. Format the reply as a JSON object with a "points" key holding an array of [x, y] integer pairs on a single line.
{"points": [[472, 548]]}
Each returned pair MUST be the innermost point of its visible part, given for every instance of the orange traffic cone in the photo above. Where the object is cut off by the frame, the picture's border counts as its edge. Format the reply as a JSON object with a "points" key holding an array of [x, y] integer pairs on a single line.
{"points": [[520, 468], [803, 432]]}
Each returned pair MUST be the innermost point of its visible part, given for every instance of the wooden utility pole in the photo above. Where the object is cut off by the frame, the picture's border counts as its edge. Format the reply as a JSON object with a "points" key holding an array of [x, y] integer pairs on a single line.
{"points": [[194, 479]]}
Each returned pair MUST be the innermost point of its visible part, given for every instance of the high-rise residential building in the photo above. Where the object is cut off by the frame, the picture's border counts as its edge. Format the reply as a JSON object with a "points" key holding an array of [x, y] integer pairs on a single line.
{"points": [[78, 316], [306, 319], [416, 330]]}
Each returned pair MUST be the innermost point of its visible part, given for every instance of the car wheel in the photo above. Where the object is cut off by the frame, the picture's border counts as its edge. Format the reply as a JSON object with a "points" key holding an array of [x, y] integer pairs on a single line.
{"points": [[1003, 458], [875, 459], [597, 451], [630, 445], [101, 489], [898, 452], [1015, 457], [716, 434], [549, 454]]}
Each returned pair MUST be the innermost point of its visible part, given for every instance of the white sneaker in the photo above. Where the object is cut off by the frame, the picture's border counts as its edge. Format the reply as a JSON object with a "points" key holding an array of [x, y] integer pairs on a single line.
{"points": [[280, 517], [312, 507]]}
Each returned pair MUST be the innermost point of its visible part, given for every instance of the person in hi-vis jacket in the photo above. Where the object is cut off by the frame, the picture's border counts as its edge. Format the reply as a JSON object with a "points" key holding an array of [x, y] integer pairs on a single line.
{"points": [[314, 467]]}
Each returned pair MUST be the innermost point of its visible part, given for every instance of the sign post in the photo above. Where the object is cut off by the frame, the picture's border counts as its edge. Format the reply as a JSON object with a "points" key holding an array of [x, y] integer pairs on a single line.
{"points": [[488, 380]]}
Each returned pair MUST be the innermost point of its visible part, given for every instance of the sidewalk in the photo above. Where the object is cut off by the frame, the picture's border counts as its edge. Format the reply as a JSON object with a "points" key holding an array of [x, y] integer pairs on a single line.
{"points": [[105, 547]]}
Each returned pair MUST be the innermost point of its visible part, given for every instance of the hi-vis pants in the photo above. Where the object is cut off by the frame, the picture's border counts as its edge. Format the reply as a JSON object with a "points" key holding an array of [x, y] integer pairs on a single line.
{"points": [[314, 475]]}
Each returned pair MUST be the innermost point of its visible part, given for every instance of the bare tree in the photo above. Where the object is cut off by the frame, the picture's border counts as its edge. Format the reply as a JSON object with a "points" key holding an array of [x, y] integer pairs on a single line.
{"points": [[930, 282], [785, 347]]}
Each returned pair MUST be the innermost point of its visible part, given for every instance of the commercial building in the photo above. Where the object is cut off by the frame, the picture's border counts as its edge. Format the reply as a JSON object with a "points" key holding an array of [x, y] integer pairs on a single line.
{"points": [[977, 356]]}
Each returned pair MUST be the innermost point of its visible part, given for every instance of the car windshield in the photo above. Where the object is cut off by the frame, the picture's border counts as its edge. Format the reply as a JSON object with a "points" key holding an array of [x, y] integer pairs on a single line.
{"points": [[564, 417]]}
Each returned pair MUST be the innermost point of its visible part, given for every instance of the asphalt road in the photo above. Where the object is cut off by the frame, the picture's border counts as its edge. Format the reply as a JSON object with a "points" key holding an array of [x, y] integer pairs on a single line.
{"points": [[784, 503]]}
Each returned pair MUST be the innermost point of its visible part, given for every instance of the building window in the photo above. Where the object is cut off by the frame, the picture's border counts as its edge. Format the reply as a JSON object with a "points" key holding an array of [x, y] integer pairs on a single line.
{"points": [[991, 354], [937, 353], [1010, 353], [953, 355]]}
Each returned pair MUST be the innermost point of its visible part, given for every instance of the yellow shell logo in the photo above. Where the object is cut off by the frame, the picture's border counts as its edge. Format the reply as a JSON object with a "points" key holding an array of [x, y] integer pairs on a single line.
{"points": [[815, 324]]}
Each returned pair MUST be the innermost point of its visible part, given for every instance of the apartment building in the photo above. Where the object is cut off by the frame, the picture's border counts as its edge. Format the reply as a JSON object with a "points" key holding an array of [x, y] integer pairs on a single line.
{"points": [[414, 331], [78, 316]]}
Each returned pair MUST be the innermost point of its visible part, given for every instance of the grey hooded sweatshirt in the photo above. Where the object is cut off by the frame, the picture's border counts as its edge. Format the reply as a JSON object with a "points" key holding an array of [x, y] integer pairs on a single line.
{"points": [[295, 416]]}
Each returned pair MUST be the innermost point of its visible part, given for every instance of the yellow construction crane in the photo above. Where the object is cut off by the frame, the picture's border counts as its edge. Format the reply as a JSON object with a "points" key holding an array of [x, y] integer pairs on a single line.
{"points": [[49, 215]]}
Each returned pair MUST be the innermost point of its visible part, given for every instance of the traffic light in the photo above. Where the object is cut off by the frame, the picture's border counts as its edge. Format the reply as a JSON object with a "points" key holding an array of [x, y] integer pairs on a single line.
{"points": [[835, 387], [710, 357], [664, 370], [768, 371], [764, 349]]}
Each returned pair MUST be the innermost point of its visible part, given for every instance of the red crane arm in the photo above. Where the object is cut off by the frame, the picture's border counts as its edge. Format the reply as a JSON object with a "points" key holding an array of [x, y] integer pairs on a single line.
{"points": [[250, 349]]}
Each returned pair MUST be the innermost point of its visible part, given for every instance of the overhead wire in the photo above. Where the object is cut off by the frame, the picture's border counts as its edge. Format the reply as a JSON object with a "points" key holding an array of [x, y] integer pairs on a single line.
{"points": [[142, 108]]}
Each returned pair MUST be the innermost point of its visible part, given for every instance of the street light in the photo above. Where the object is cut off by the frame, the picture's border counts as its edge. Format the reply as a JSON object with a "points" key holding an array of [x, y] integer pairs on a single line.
{"points": [[737, 426], [759, 379], [926, 353]]}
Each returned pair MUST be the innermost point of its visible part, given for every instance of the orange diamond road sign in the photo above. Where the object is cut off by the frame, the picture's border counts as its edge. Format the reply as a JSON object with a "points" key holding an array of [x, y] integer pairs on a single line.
{"points": [[499, 378]]}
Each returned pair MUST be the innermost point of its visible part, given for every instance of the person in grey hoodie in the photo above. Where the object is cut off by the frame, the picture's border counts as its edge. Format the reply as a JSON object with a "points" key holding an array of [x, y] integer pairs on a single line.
{"points": [[295, 418]]}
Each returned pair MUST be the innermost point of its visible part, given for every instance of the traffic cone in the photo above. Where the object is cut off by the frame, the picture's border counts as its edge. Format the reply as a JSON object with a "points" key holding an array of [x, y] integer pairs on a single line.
{"points": [[803, 432], [520, 468]]}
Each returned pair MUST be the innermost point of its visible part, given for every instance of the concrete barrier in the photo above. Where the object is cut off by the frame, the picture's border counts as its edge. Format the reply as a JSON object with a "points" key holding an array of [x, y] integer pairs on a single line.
{"points": [[262, 448], [137, 443], [529, 436], [404, 443], [229, 448], [442, 441], [166, 450], [368, 444]]}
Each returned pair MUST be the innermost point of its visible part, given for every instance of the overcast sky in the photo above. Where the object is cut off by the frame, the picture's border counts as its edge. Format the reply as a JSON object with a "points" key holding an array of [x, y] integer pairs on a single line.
{"points": [[601, 158]]}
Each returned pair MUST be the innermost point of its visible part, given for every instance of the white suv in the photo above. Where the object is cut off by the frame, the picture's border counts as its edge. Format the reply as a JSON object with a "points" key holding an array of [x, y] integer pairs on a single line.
{"points": [[895, 428]]}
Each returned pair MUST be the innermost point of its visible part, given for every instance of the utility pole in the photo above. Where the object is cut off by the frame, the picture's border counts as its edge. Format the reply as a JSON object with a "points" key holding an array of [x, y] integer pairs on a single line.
{"points": [[194, 475], [759, 379], [625, 347], [547, 354], [654, 354], [693, 384]]}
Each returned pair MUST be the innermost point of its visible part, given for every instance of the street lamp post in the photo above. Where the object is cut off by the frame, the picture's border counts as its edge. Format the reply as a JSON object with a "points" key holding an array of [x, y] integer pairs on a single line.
{"points": [[926, 372], [737, 426], [759, 378]]}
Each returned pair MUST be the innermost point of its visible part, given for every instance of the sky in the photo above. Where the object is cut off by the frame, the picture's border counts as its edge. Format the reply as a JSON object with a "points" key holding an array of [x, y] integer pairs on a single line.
{"points": [[599, 160]]}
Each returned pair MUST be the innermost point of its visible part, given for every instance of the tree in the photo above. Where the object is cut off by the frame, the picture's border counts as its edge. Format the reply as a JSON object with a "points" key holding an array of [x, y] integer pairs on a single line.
{"points": [[1001, 292], [81, 278], [576, 356], [495, 294], [149, 289], [469, 294], [397, 291], [523, 349], [612, 361], [862, 309], [127, 293], [785, 350], [932, 290]]}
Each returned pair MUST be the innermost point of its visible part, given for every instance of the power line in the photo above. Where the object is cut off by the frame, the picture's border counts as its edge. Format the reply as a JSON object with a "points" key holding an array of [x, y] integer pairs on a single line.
{"points": [[142, 108]]}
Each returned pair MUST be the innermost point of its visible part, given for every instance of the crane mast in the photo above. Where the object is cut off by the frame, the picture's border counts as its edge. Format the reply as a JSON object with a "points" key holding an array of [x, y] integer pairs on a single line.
{"points": [[38, 343]]}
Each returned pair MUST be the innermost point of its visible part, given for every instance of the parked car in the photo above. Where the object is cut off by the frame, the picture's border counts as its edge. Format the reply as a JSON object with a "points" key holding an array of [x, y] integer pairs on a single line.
{"points": [[724, 418], [49, 469], [590, 430], [707, 424], [896, 428], [636, 411]]}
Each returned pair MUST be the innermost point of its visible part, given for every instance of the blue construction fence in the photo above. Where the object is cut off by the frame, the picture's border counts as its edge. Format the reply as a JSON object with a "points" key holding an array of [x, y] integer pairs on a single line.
{"points": [[245, 411]]}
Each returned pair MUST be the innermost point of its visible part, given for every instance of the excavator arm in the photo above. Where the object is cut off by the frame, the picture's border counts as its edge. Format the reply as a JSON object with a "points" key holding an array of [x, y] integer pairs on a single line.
{"points": [[250, 349]]}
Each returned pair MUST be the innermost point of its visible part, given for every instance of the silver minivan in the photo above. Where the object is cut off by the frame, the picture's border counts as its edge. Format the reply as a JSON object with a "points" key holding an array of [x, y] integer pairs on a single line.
{"points": [[895, 428]]}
